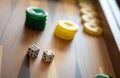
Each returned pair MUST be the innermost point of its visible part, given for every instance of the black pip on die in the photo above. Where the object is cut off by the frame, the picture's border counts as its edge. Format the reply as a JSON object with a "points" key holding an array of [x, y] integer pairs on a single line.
{"points": [[48, 56], [33, 50]]}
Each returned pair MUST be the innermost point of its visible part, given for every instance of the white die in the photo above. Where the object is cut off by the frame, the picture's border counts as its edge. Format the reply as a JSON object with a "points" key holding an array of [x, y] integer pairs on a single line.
{"points": [[48, 55], [33, 50]]}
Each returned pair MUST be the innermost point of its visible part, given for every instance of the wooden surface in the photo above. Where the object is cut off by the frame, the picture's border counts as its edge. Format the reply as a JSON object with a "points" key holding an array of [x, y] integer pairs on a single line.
{"points": [[111, 31], [112, 13], [83, 57], [0, 59]]}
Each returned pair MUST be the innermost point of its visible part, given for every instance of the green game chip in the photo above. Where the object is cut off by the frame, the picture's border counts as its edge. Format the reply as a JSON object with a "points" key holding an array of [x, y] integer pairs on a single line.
{"points": [[35, 24], [102, 76], [36, 13], [36, 18]]}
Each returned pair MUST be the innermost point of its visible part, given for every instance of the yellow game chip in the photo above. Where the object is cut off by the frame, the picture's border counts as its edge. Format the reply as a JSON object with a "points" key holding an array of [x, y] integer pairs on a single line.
{"points": [[63, 35], [68, 26], [92, 29], [65, 30], [58, 34]]}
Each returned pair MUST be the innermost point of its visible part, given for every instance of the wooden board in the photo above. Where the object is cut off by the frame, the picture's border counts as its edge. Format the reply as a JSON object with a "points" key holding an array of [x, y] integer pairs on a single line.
{"points": [[110, 33], [0, 59], [83, 57]]}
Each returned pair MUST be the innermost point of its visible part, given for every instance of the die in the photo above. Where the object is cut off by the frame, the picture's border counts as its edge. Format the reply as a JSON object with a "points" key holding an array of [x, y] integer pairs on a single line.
{"points": [[48, 56], [33, 50]]}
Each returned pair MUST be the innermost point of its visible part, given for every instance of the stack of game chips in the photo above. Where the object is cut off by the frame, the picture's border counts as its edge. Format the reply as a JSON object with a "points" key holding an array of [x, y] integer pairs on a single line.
{"points": [[65, 30], [90, 18], [36, 18]]}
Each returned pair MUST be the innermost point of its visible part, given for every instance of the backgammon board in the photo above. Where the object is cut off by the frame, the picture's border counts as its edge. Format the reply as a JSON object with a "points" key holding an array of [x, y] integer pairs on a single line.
{"points": [[83, 57]]}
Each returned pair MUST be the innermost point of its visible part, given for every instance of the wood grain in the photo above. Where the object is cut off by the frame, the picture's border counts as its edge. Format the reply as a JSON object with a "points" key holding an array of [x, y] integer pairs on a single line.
{"points": [[0, 59], [113, 48], [84, 56]]}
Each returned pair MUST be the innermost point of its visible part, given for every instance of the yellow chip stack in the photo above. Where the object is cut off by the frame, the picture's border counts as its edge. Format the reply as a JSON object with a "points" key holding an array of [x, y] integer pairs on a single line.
{"points": [[89, 18], [65, 30]]}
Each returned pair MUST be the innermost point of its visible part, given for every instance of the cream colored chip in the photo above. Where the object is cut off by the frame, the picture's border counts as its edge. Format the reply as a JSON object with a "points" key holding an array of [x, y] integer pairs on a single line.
{"points": [[86, 5], [90, 19], [92, 29], [88, 11]]}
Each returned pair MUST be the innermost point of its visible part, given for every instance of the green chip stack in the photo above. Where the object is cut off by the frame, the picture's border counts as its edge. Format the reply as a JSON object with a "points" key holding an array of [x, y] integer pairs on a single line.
{"points": [[102, 76], [36, 18]]}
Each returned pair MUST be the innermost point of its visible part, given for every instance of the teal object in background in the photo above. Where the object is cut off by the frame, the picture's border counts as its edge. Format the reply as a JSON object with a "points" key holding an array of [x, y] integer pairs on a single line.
{"points": [[36, 18], [102, 76]]}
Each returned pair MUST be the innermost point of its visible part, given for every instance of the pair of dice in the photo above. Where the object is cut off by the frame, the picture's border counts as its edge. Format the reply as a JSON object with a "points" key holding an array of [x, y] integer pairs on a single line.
{"points": [[47, 56]]}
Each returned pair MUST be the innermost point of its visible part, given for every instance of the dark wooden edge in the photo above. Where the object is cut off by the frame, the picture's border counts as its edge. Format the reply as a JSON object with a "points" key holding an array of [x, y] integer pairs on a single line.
{"points": [[112, 15], [111, 33], [118, 1]]}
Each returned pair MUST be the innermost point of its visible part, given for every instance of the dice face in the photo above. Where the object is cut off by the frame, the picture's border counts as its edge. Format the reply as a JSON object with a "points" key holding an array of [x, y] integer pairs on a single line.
{"points": [[48, 56], [33, 50]]}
